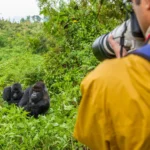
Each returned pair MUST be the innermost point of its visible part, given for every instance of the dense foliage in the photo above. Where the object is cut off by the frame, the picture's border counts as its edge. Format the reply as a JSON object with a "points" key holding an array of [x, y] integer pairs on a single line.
{"points": [[58, 52]]}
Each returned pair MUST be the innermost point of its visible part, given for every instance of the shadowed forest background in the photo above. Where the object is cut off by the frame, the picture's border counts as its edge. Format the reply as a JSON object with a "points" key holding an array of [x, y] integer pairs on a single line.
{"points": [[57, 51]]}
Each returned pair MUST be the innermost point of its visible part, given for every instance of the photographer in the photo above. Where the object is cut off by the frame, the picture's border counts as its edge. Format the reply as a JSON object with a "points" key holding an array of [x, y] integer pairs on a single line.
{"points": [[114, 112]]}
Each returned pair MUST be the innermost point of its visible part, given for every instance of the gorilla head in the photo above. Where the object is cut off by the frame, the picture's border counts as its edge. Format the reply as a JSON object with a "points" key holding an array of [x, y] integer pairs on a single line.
{"points": [[13, 94], [37, 92], [16, 91]]}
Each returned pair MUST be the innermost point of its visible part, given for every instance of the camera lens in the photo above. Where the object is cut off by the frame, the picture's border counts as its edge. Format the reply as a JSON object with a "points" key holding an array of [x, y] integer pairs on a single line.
{"points": [[102, 49]]}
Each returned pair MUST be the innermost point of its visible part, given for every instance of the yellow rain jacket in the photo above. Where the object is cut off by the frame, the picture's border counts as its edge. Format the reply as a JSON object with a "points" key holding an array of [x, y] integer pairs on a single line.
{"points": [[114, 113]]}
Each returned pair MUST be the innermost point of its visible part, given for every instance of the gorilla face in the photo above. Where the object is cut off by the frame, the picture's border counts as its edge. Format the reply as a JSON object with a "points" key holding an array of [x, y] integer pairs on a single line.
{"points": [[37, 92], [16, 91], [36, 96]]}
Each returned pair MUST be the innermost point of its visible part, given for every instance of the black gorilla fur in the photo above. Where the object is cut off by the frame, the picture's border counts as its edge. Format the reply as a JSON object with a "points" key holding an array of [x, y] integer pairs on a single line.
{"points": [[13, 94], [36, 99]]}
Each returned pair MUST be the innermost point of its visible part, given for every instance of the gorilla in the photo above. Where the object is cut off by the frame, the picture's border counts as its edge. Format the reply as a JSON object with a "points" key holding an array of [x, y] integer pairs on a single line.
{"points": [[35, 99], [13, 94]]}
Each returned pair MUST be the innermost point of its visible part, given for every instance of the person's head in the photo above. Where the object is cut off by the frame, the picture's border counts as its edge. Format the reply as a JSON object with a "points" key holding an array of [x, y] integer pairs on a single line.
{"points": [[142, 11]]}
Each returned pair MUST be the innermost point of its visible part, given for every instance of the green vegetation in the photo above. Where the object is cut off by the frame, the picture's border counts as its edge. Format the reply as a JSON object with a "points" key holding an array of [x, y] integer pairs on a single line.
{"points": [[58, 52]]}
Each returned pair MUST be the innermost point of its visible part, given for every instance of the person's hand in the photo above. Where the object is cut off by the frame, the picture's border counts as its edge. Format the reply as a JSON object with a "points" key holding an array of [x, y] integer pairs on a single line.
{"points": [[116, 47]]}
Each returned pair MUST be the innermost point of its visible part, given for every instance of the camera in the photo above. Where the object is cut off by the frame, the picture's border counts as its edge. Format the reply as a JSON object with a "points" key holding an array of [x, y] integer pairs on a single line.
{"points": [[129, 31]]}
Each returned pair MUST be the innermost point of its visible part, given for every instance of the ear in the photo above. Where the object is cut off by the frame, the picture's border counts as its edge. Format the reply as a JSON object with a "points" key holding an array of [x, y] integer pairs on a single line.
{"points": [[147, 4]]}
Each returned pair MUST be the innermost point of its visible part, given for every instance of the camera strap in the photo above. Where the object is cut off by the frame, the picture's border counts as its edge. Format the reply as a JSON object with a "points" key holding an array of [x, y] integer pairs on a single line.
{"points": [[125, 29], [122, 40]]}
